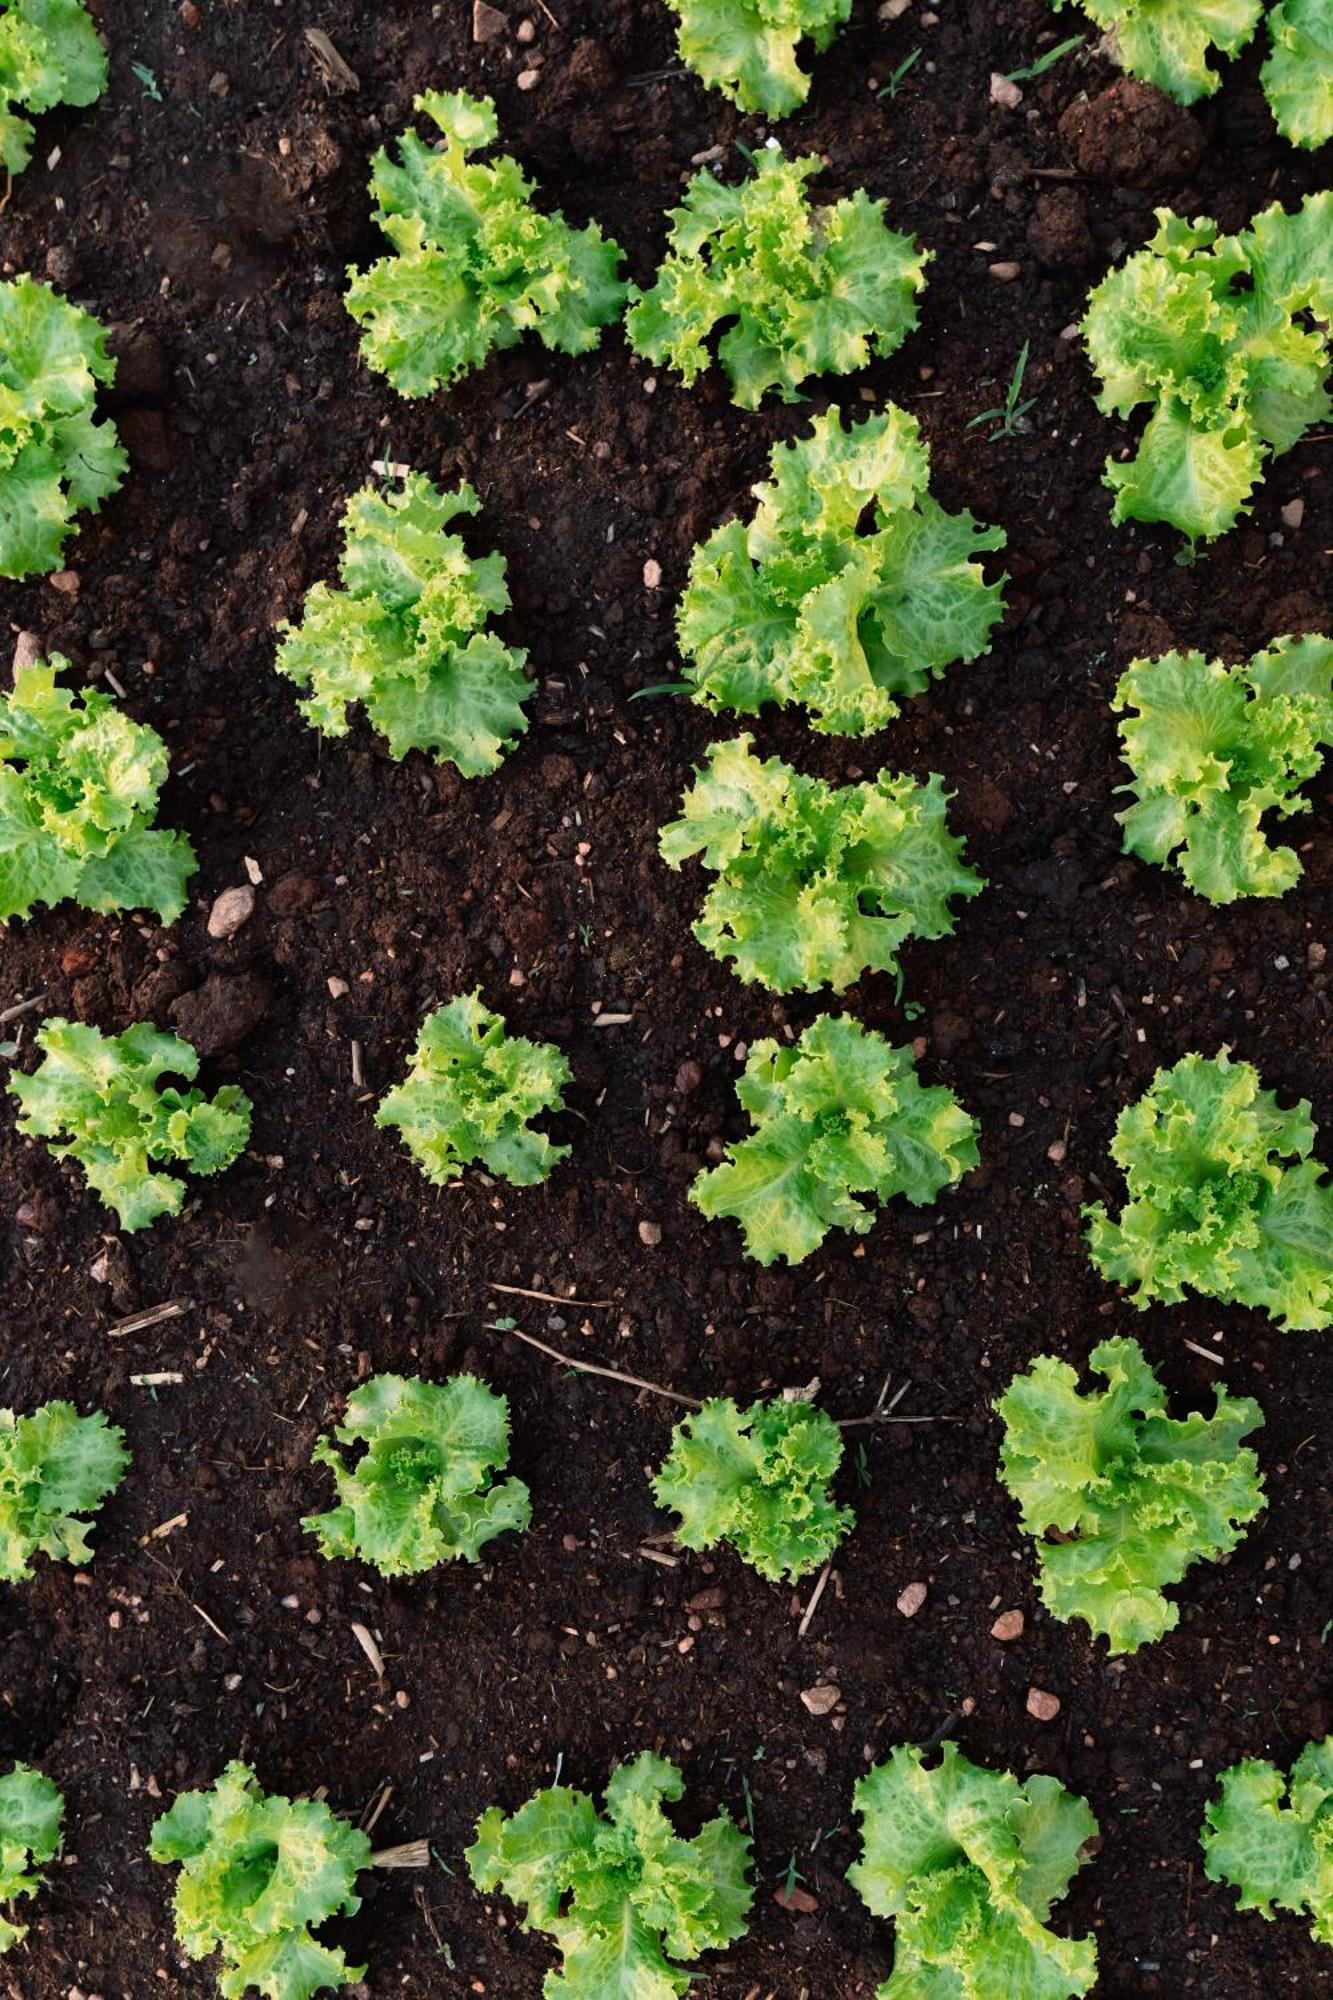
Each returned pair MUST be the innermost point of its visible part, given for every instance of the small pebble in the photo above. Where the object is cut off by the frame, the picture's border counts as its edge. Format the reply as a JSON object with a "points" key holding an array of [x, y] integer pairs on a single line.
{"points": [[821, 1700], [1043, 1707], [1005, 270], [650, 1233], [911, 1599], [66, 581], [1008, 1626], [233, 908], [1004, 93], [528, 79], [27, 651], [652, 574], [488, 23], [1292, 514], [1056, 1151]]}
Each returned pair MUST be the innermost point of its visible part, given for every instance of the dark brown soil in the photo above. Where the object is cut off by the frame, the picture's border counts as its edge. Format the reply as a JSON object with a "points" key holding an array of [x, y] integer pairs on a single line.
{"points": [[217, 223]]}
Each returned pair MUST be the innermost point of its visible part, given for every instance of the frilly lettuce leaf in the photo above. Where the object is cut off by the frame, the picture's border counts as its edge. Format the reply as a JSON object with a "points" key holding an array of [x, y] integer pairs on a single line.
{"points": [[1298, 74], [747, 48], [1269, 1837], [258, 1874], [1213, 1202], [849, 589], [837, 1114], [1225, 338], [421, 1492], [1215, 748], [99, 1100], [406, 635], [628, 1901], [969, 1863], [801, 290], [758, 1478], [32, 1812], [55, 460], [1135, 1497], [817, 883], [54, 1467], [1168, 42], [471, 1094], [79, 784], [49, 54], [475, 264]]}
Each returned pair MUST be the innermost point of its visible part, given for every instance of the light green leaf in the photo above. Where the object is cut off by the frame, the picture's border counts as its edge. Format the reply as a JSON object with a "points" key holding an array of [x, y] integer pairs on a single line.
{"points": [[55, 1466], [49, 54], [1269, 1837], [32, 1812], [1169, 42], [747, 49], [471, 1094], [1298, 75]]}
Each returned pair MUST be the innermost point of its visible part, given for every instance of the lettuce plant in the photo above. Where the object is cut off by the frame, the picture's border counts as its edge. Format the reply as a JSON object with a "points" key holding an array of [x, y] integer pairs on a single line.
{"points": [[100, 1098], [1269, 1836], [1222, 1197], [848, 590], [969, 1863], [56, 461], [1215, 748], [1168, 42], [32, 1812], [79, 784], [628, 1901], [421, 1492], [471, 1094], [406, 634], [55, 1468], [475, 264], [1132, 1496], [817, 883], [260, 1873], [1226, 339], [837, 1114], [802, 289], [49, 54], [759, 1479], [747, 48], [1298, 74]]}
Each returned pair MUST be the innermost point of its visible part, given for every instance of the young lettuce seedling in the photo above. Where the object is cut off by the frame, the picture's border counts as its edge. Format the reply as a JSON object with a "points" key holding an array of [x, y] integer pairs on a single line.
{"points": [[1222, 1197], [55, 1466], [476, 264], [747, 48], [50, 54], [32, 1811], [56, 460], [848, 590], [837, 1114], [101, 1099], [760, 1479], [79, 784], [259, 1874], [1298, 75], [628, 1901], [1268, 1836], [969, 1863], [471, 1094], [1213, 749], [406, 635], [421, 1493], [1132, 1496], [801, 289]]}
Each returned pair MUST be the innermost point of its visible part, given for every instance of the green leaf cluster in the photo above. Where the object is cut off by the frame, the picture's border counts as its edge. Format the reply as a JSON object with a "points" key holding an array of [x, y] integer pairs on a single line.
{"points": [[759, 1479], [55, 460], [1298, 74], [628, 1901], [747, 48], [405, 635], [1213, 748], [802, 289], [79, 784], [969, 1863], [54, 1467], [100, 1099], [1269, 1837], [475, 265], [1222, 1197], [49, 54], [258, 1874], [848, 589], [1168, 42], [1133, 1497], [32, 1811], [420, 1493], [838, 1114], [1226, 340], [471, 1094], [817, 883]]}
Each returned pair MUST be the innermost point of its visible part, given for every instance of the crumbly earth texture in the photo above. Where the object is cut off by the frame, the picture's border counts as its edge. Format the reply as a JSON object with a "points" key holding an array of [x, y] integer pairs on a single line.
{"points": [[210, 217]]}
